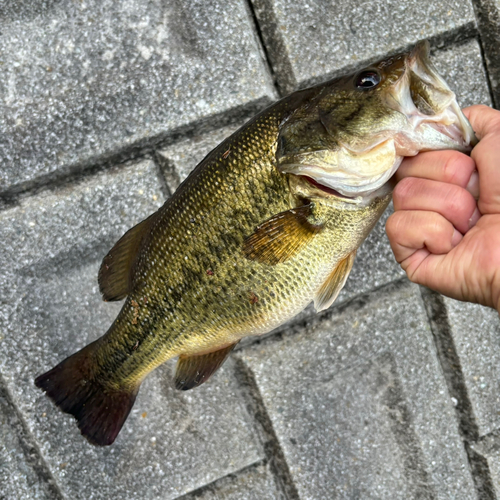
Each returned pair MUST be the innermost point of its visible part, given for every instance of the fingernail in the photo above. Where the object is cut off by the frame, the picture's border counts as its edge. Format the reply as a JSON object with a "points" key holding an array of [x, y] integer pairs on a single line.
{"points": [[473, 185], [456, 238], [475, 217]]}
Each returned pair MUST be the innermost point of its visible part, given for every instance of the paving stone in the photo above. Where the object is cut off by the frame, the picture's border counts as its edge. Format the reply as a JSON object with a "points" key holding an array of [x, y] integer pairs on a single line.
{"points": [[463, 69], [488, 16], [359, 403], [172, 442], [307, 41], [475, 331], [82, 82], [18, 478], [255, 483]]}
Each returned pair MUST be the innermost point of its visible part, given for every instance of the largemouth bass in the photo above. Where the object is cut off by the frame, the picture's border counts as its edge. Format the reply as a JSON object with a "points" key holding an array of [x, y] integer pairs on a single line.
{"points": [[269, 221]]}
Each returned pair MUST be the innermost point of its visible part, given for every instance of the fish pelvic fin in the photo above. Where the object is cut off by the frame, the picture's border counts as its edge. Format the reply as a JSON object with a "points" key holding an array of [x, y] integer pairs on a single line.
{"points": [[193, 371], [116, 271], [282, 236], [331, 287], [100, 411]]}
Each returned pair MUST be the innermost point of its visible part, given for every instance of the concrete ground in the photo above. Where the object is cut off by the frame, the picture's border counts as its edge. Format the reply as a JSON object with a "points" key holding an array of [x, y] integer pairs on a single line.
{"points": [[106, 105]]}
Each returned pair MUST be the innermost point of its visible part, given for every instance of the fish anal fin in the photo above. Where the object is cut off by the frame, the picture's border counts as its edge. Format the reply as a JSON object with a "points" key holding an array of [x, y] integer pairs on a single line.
{"points": [[100, 411], [115, 272], [335, 282], [192, 371], [282, 236]]}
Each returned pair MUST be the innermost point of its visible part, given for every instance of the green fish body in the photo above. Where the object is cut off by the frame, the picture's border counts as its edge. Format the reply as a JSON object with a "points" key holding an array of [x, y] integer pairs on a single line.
{"points": [[261, 228]]}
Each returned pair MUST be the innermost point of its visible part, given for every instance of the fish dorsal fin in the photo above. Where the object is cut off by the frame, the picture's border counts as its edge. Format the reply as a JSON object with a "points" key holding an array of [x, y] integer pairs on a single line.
{"points": [[282, 236], [115, 272], [335, 282], [192, 371]]}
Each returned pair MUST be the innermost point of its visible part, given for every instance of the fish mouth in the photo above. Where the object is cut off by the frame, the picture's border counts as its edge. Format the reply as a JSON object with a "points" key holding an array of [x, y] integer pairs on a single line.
{"points": [[326, 189], [348, 174], [435, 120], [307, 187]]}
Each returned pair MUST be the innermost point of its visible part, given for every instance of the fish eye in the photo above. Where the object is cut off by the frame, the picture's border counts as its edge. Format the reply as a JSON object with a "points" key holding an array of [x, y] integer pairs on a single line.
{"points": [[367, 79]]}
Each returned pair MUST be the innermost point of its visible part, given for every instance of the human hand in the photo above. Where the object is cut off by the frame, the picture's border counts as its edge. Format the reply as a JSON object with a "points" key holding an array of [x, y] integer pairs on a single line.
{"points": [[439, 234]]}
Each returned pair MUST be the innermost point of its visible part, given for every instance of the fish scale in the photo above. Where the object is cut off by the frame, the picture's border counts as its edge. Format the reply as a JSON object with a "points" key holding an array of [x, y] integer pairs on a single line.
{"points": [[268, 222]]}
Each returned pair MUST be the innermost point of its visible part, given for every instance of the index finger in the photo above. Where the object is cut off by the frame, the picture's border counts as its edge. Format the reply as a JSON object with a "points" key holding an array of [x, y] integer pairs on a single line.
{"points": [[486, 123]]}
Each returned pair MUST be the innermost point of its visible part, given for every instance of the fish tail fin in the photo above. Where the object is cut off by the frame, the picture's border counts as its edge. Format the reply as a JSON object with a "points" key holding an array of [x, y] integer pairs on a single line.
{"points": [[100, 411]]}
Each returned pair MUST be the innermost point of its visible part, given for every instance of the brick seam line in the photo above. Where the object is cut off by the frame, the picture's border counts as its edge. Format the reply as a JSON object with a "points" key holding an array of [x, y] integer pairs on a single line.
{"points": [[273, 45], [452, 371], [165, 190], [447, 39], [450, 362], [486, 27], [142, 149], [31, 451], [483, 481], [214, 485], [272, 449], [259, 40]]}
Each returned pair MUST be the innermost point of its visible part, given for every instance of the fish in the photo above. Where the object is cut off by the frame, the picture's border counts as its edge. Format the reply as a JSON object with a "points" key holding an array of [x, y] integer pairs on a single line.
{"points": [[267, 223]]}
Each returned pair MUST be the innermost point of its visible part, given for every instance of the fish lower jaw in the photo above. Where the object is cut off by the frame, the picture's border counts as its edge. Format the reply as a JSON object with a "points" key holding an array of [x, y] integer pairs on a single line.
{"points": [[324, 188]]}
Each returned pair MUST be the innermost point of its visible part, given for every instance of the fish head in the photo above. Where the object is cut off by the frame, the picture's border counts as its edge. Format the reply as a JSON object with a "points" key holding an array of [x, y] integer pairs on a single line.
{"points": [[348, 136]]}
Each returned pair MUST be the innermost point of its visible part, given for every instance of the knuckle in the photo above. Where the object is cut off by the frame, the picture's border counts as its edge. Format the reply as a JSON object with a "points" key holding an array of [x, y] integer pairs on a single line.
{"points": [[458, 168], [397, 226], [439, 228], [459, 201], [403, 190]]}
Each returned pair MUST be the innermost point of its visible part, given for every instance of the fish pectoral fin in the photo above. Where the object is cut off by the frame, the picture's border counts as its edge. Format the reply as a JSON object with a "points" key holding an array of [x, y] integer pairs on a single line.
{"points": [[192, 371], [335, 282], [117, 267], [282, 236]]}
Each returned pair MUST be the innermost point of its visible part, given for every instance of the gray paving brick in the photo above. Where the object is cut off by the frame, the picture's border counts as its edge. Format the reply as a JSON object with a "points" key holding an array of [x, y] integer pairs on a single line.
{"points": [[172, 442], [359, 405], [475, 331], [463, 69], [255, 483], [82, 82], [488, 14], [19, 477], [308, 40]]}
